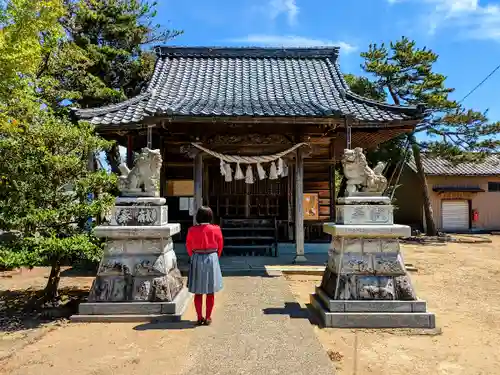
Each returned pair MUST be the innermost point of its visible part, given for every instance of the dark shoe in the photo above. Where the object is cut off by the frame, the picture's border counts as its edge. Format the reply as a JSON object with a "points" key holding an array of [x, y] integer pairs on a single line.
{"points": [[200, 322], [208, 322]]}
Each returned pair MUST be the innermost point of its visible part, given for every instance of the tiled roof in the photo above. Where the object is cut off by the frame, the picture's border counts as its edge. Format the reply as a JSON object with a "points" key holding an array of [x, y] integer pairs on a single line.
{"points": [[439, 167], [204, 81]]}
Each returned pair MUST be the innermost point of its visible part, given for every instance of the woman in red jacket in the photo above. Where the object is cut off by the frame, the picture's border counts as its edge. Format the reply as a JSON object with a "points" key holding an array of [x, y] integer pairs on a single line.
{"points": [[204, 245]]}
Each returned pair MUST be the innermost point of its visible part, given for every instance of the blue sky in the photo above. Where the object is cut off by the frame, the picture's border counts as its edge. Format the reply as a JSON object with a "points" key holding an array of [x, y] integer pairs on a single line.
{"points": [[465, 33]]}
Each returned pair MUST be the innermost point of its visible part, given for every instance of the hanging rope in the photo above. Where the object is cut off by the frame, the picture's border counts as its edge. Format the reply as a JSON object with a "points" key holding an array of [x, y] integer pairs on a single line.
{"points": [[248, 159]]}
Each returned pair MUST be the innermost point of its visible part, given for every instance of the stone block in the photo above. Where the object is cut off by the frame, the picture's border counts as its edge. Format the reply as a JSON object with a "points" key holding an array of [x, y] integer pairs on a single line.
{"points": [[388, 264], [140, 201], [137, 232], [366, 230], [134, 311], [365, 214], [143, 290], [381, 320], [375, 288], [165, 288], [370, 306], [404, 288], [347, 319], [111, 288], [138, 264], [364, 245], [139, 215], [364, 200]]}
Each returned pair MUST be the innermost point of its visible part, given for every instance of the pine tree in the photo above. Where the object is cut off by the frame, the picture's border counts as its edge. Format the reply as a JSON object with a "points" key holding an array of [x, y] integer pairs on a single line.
{"points": [[106, 56], [406, 73]]}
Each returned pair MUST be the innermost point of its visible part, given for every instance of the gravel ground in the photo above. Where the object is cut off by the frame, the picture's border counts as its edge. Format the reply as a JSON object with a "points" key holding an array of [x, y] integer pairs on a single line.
{"points": [[461, 283]]}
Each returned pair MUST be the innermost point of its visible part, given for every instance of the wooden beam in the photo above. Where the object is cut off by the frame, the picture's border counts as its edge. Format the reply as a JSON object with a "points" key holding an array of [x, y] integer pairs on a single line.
{"points": [[130, 150], [299, 207], [198, 184], [332, 180], [163, 171]]}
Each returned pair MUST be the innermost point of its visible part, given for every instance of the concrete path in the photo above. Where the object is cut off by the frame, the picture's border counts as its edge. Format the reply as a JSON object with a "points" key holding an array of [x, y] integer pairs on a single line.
{"points": [[258, 328], [258, 264]]}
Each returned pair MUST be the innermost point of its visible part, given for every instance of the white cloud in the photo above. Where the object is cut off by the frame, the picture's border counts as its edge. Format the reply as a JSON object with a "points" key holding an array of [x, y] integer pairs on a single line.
{"points": [[471, 18], [286, 7], [293, 41]]}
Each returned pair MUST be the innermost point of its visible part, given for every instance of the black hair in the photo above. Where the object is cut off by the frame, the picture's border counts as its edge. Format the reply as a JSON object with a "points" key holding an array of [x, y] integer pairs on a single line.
{"points": [[204, 215]]}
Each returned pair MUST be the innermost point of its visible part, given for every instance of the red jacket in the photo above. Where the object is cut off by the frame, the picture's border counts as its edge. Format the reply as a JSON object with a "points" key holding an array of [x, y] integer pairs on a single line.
{"points": [[204, 236]]}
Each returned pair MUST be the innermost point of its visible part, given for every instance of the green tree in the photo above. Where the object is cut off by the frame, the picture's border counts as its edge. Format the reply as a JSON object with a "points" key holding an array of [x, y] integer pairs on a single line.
{"points": [[45, 181], [406, 72], [391, 151], [106, 57]]}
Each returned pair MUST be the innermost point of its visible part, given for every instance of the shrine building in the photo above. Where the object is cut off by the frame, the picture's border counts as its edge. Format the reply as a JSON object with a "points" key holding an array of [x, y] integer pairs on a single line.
{"points": [[255, 133]]}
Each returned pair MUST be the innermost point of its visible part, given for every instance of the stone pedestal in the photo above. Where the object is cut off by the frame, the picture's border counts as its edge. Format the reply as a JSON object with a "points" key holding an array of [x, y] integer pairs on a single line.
{"points": [[138, 278], [365, 284]]}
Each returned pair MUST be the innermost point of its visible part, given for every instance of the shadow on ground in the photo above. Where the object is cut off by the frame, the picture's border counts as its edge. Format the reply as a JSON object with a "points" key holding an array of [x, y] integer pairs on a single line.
{"points": [[183, 324], [24, 309], [295, 311]]}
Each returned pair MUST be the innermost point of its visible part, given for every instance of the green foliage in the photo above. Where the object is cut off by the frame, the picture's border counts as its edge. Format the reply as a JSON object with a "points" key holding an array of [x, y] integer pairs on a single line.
{"points": [[407, 73], [45, 181], [392, 150], [104, 58], [364, 87], [44, 188]]}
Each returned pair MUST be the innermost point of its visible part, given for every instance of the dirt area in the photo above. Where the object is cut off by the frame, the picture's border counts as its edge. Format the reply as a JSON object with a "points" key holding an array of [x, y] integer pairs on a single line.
{"points": [[35, 345], [461, 283]]}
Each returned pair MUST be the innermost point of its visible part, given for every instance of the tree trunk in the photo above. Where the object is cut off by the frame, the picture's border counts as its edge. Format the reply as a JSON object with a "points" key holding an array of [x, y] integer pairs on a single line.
{"points": [[51, 291], [429, 215]]}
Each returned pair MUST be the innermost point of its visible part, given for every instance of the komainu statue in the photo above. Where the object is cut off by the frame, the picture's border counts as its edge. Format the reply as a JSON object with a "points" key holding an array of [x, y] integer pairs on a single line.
{"points": [[360, 177], [143, 178]]}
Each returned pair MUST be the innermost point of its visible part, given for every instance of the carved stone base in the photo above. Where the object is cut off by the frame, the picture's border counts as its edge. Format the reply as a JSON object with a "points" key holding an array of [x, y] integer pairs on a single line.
{"points": [[372, 314], [368, 287]]}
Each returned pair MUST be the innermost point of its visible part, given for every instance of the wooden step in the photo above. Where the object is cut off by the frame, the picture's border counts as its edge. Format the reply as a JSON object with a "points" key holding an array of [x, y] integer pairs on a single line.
{"points": [[229, 238], [247, 228], [243, 247]]}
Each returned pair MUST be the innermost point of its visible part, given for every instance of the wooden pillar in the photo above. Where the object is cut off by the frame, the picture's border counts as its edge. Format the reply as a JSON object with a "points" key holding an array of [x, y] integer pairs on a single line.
{"points": [[130, 150], [291, 174], [198, 184], [163, 171], [299, 207], [331, 181]]}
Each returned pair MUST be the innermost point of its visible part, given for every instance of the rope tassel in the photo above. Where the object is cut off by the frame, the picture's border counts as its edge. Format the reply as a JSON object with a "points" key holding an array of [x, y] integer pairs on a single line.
{"points": [[249, 177], [222, 168], [228, 175], [261, 171], [280, 167], [238, 175], [273, 173], [285, 170]]}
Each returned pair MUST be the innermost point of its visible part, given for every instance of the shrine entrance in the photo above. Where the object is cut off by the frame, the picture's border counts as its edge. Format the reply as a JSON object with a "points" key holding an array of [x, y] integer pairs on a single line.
{"points": [[239, 200], [252, 197]]}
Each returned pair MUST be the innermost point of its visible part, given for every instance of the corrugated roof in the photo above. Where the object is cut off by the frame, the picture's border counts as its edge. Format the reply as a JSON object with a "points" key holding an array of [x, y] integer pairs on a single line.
{"points": [[202, 81], [439, 167]]}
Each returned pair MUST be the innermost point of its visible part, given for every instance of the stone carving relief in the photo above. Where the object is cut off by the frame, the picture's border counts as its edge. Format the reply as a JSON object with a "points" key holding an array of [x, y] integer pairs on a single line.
{"points": [[360, 177], [376, 288], [142, 290], [166, 288], [404, 288], [143, 178], [136, 216]]}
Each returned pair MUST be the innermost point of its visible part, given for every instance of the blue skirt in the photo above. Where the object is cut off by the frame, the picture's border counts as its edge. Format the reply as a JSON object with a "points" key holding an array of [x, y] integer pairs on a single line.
{"points": [[205, 276]]}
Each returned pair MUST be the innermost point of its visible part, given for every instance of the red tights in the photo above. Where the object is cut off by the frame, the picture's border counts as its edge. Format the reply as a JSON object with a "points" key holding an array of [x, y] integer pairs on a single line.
{"points": [[198, 304]]}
